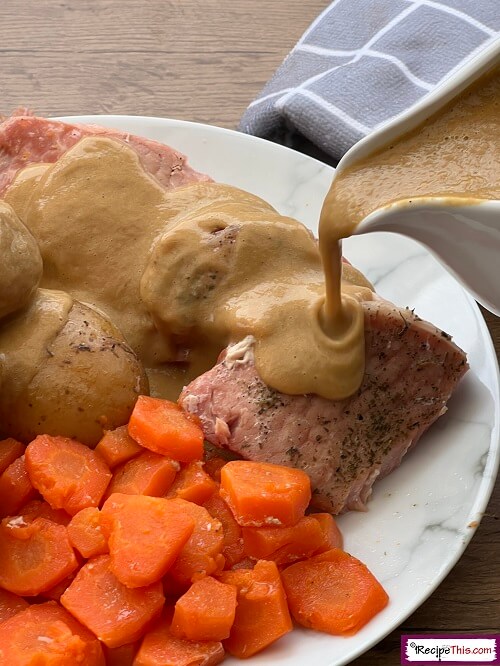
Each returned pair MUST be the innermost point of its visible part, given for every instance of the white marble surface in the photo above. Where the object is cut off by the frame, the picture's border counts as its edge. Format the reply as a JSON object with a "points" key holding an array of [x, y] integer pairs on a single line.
{"points": [[422, 516]]}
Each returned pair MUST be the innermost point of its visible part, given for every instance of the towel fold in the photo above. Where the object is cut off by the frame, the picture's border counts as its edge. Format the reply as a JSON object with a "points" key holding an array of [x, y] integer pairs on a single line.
{"points": [[362, 62]]}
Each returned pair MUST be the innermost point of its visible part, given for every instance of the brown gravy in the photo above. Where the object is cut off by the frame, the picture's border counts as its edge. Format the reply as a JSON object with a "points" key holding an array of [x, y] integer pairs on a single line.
{"points": [[186, 272]]}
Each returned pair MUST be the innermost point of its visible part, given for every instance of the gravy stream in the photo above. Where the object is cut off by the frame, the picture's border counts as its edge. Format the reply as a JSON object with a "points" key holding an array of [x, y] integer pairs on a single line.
{"points": [[454, 154]]}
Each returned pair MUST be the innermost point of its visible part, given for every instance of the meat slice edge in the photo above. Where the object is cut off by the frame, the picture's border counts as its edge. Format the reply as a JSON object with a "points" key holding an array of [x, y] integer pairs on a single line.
{"points": [[26, 140], [411, 371]]}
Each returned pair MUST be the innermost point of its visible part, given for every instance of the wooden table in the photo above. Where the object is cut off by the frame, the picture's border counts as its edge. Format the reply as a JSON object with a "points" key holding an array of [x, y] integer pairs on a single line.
{"points": [[204, 60]]}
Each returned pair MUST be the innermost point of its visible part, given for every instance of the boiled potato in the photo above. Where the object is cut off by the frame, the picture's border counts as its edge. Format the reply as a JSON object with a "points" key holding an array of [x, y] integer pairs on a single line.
{"points": [[67, 370], [20, 262]]}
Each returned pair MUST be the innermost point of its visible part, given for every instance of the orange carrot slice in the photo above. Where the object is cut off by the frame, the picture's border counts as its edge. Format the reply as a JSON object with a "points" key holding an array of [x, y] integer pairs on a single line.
{"points": [[146, 534], [262, 494], [45, 634], [116, 614], [333, 592], [193, 484], [85, 533], [10, 605], [206, 612], [163, 427], [161, 648], [201, 556], [148, 474], [284, 545], [34, 556], [233, 550], [117, 447], [15, 488], [332, 536], [68, 474], [10, 450], [261, 614]]}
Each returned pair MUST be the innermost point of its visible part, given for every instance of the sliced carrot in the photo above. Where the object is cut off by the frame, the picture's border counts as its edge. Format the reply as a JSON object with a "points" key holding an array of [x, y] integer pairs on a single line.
{"points": [[35, 556], [262, 613], [262, 494], [117, 447], [121, 656], [15, 488], [233, 549], [193, 484], [161, 648], [10, 605], [46, 635], [332, 536], [68, 474], [206, 611], [148, 474], [284, 545], [116, 614], [333, 592], [146, 534], [85, 533], [201, 556], [10, 450], [163, 427], [42, 509], [213, 467]]}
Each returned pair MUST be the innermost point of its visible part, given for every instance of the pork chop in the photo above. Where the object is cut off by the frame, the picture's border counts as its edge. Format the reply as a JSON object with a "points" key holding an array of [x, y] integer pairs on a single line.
{"points": [[411, 370], [26, 140]]}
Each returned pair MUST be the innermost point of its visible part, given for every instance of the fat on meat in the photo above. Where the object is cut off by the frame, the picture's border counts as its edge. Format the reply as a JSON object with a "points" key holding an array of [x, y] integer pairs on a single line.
{"points": [[412, 368]]}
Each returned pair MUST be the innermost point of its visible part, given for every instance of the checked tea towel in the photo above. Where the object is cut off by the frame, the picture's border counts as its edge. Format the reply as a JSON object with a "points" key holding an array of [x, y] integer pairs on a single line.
{"points": [[364, 61]]}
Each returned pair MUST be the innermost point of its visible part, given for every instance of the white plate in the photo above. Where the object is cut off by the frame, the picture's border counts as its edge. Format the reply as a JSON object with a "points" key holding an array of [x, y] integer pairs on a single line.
{"points": [[423, 515]]}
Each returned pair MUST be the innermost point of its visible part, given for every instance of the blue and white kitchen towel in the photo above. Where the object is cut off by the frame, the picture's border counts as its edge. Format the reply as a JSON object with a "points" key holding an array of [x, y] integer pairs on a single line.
{"points": [[364, 61]]}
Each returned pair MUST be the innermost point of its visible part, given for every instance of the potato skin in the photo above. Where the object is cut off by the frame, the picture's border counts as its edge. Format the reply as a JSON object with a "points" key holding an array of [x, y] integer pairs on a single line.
{"points": [[89, 380], [20, 262]]}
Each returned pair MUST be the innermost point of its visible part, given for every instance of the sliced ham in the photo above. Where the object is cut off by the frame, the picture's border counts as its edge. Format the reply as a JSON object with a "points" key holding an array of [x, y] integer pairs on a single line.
{"points": [[411, 370], [26, 139]]}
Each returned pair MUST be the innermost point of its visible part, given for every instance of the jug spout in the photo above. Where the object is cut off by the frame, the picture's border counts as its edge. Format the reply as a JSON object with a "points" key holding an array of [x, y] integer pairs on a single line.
{"points": [[463, 234]]}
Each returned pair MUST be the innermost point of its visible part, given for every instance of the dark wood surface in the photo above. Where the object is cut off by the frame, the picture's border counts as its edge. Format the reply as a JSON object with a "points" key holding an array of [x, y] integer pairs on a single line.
{"points": [[204, 60]]}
